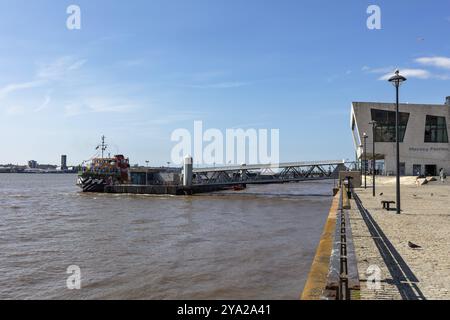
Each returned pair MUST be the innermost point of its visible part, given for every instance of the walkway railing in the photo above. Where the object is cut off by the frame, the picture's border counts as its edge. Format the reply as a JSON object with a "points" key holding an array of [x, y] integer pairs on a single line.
{"points": [[343, 278], [265, 174]]}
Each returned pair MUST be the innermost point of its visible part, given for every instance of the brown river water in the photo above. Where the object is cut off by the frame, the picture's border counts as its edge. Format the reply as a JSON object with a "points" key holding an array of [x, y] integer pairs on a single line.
{"points": [[254, 244]]}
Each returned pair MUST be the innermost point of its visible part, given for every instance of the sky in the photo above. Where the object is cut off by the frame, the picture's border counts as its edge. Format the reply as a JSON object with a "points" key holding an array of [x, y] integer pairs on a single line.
{"points": [[138, 70]]}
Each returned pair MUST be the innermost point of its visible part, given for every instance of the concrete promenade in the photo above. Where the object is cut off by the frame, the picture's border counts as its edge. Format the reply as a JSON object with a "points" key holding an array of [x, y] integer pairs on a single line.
{"points": [[317, 278], [381, 240]]}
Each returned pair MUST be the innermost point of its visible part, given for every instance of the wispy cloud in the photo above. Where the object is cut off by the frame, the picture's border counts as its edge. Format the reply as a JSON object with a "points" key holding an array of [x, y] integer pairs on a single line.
{"points": [[10, 88], [82, 98], [439, 62], [99, 105], [60, 68], [418, 73], [45, 74], [410, 73], [45, 104]]}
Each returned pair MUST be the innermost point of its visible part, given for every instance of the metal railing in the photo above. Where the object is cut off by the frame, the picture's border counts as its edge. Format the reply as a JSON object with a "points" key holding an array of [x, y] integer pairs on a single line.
{"points": [[343, 292], [264, 174], [343, 274]]}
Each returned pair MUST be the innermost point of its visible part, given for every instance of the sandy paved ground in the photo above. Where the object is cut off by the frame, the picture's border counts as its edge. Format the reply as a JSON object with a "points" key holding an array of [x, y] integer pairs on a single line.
{"points": [[381, 239]]}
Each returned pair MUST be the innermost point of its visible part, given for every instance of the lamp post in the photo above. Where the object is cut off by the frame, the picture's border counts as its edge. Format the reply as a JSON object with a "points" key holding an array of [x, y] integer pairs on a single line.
{"points": [[365, 136], [397, 81], [374, 160], [361, 160], [146, 173]]}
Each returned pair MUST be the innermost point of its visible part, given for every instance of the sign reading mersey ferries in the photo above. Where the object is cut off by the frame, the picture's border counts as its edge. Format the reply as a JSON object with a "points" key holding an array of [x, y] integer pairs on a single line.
{"points": [[432, 149]]}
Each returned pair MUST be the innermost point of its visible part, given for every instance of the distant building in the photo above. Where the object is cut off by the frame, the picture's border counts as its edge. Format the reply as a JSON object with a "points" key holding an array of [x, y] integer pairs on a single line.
{"points": [[32, 164], [424, 142], [47, 167], [5, 169], [63, 162]]}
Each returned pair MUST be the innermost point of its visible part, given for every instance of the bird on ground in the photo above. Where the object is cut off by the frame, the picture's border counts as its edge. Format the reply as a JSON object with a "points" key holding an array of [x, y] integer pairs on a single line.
{"points": [[432, 194], [413, 245], [381, 194]]}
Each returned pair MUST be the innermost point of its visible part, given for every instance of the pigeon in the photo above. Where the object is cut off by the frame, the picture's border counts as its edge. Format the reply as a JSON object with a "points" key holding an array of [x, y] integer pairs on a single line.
{"points": [[413, 245], [381, 194]]}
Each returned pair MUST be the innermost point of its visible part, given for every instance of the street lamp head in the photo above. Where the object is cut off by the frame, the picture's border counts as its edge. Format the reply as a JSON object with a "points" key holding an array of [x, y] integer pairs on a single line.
{"points": [[397, 79]]}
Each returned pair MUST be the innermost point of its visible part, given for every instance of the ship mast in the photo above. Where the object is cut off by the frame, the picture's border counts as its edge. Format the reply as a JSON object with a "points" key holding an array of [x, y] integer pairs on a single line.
{"points": [[103, 146]]}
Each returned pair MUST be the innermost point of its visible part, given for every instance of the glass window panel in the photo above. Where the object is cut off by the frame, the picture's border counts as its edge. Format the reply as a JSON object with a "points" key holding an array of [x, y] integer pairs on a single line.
{"points": [[385, 130], [436, 130]]}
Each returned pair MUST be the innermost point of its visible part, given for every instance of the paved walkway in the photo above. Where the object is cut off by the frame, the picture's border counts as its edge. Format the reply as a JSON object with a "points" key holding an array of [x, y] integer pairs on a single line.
{"points": [[381, 239]]}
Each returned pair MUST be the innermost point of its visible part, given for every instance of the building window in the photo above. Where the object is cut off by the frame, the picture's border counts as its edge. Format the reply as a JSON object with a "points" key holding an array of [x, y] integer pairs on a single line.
{"points": [[402, 169], [355, 132], [385, 129], [431, 170], [417, 169], [436, 130]]}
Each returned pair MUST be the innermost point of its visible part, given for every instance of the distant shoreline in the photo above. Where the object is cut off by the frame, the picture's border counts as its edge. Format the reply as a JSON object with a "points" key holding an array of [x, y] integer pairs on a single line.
{"points": [[38, 173]]}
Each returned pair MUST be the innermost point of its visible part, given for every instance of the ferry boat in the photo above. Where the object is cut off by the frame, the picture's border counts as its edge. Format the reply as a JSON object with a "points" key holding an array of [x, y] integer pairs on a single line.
{"points": [[102, 172], [114, 175]]}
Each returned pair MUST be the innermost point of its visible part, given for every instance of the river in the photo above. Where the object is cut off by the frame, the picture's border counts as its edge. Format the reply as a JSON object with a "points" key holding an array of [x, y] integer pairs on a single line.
{"points": [[252, 244]]}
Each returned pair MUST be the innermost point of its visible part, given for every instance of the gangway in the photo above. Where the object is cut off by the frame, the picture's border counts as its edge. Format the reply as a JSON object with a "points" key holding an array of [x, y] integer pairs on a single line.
{"points": [[269, 173]]}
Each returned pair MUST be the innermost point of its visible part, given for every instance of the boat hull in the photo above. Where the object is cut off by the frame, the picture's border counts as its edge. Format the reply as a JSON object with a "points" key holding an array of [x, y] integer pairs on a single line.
{"points": [[90, 184]]}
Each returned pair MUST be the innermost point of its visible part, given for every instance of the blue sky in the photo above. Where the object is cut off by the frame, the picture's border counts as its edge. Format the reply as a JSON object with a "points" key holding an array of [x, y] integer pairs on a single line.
{"points": [[137, 70]]}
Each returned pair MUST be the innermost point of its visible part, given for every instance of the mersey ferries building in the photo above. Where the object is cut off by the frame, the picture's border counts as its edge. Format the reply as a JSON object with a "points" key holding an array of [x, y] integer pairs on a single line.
{"points": [[424, 144]]}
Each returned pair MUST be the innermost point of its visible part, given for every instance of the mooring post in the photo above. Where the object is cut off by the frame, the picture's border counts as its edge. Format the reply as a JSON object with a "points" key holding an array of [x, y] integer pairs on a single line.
{"points": [[187, 171]]}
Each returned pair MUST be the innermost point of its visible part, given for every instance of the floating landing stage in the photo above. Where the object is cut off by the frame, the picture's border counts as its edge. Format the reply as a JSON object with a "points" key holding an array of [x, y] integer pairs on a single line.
{"points": [[165, 189]]}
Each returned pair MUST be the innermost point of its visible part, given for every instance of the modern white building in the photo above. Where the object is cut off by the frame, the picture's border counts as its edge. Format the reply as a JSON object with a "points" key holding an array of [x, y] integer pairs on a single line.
{"points": [[424, 141]]}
